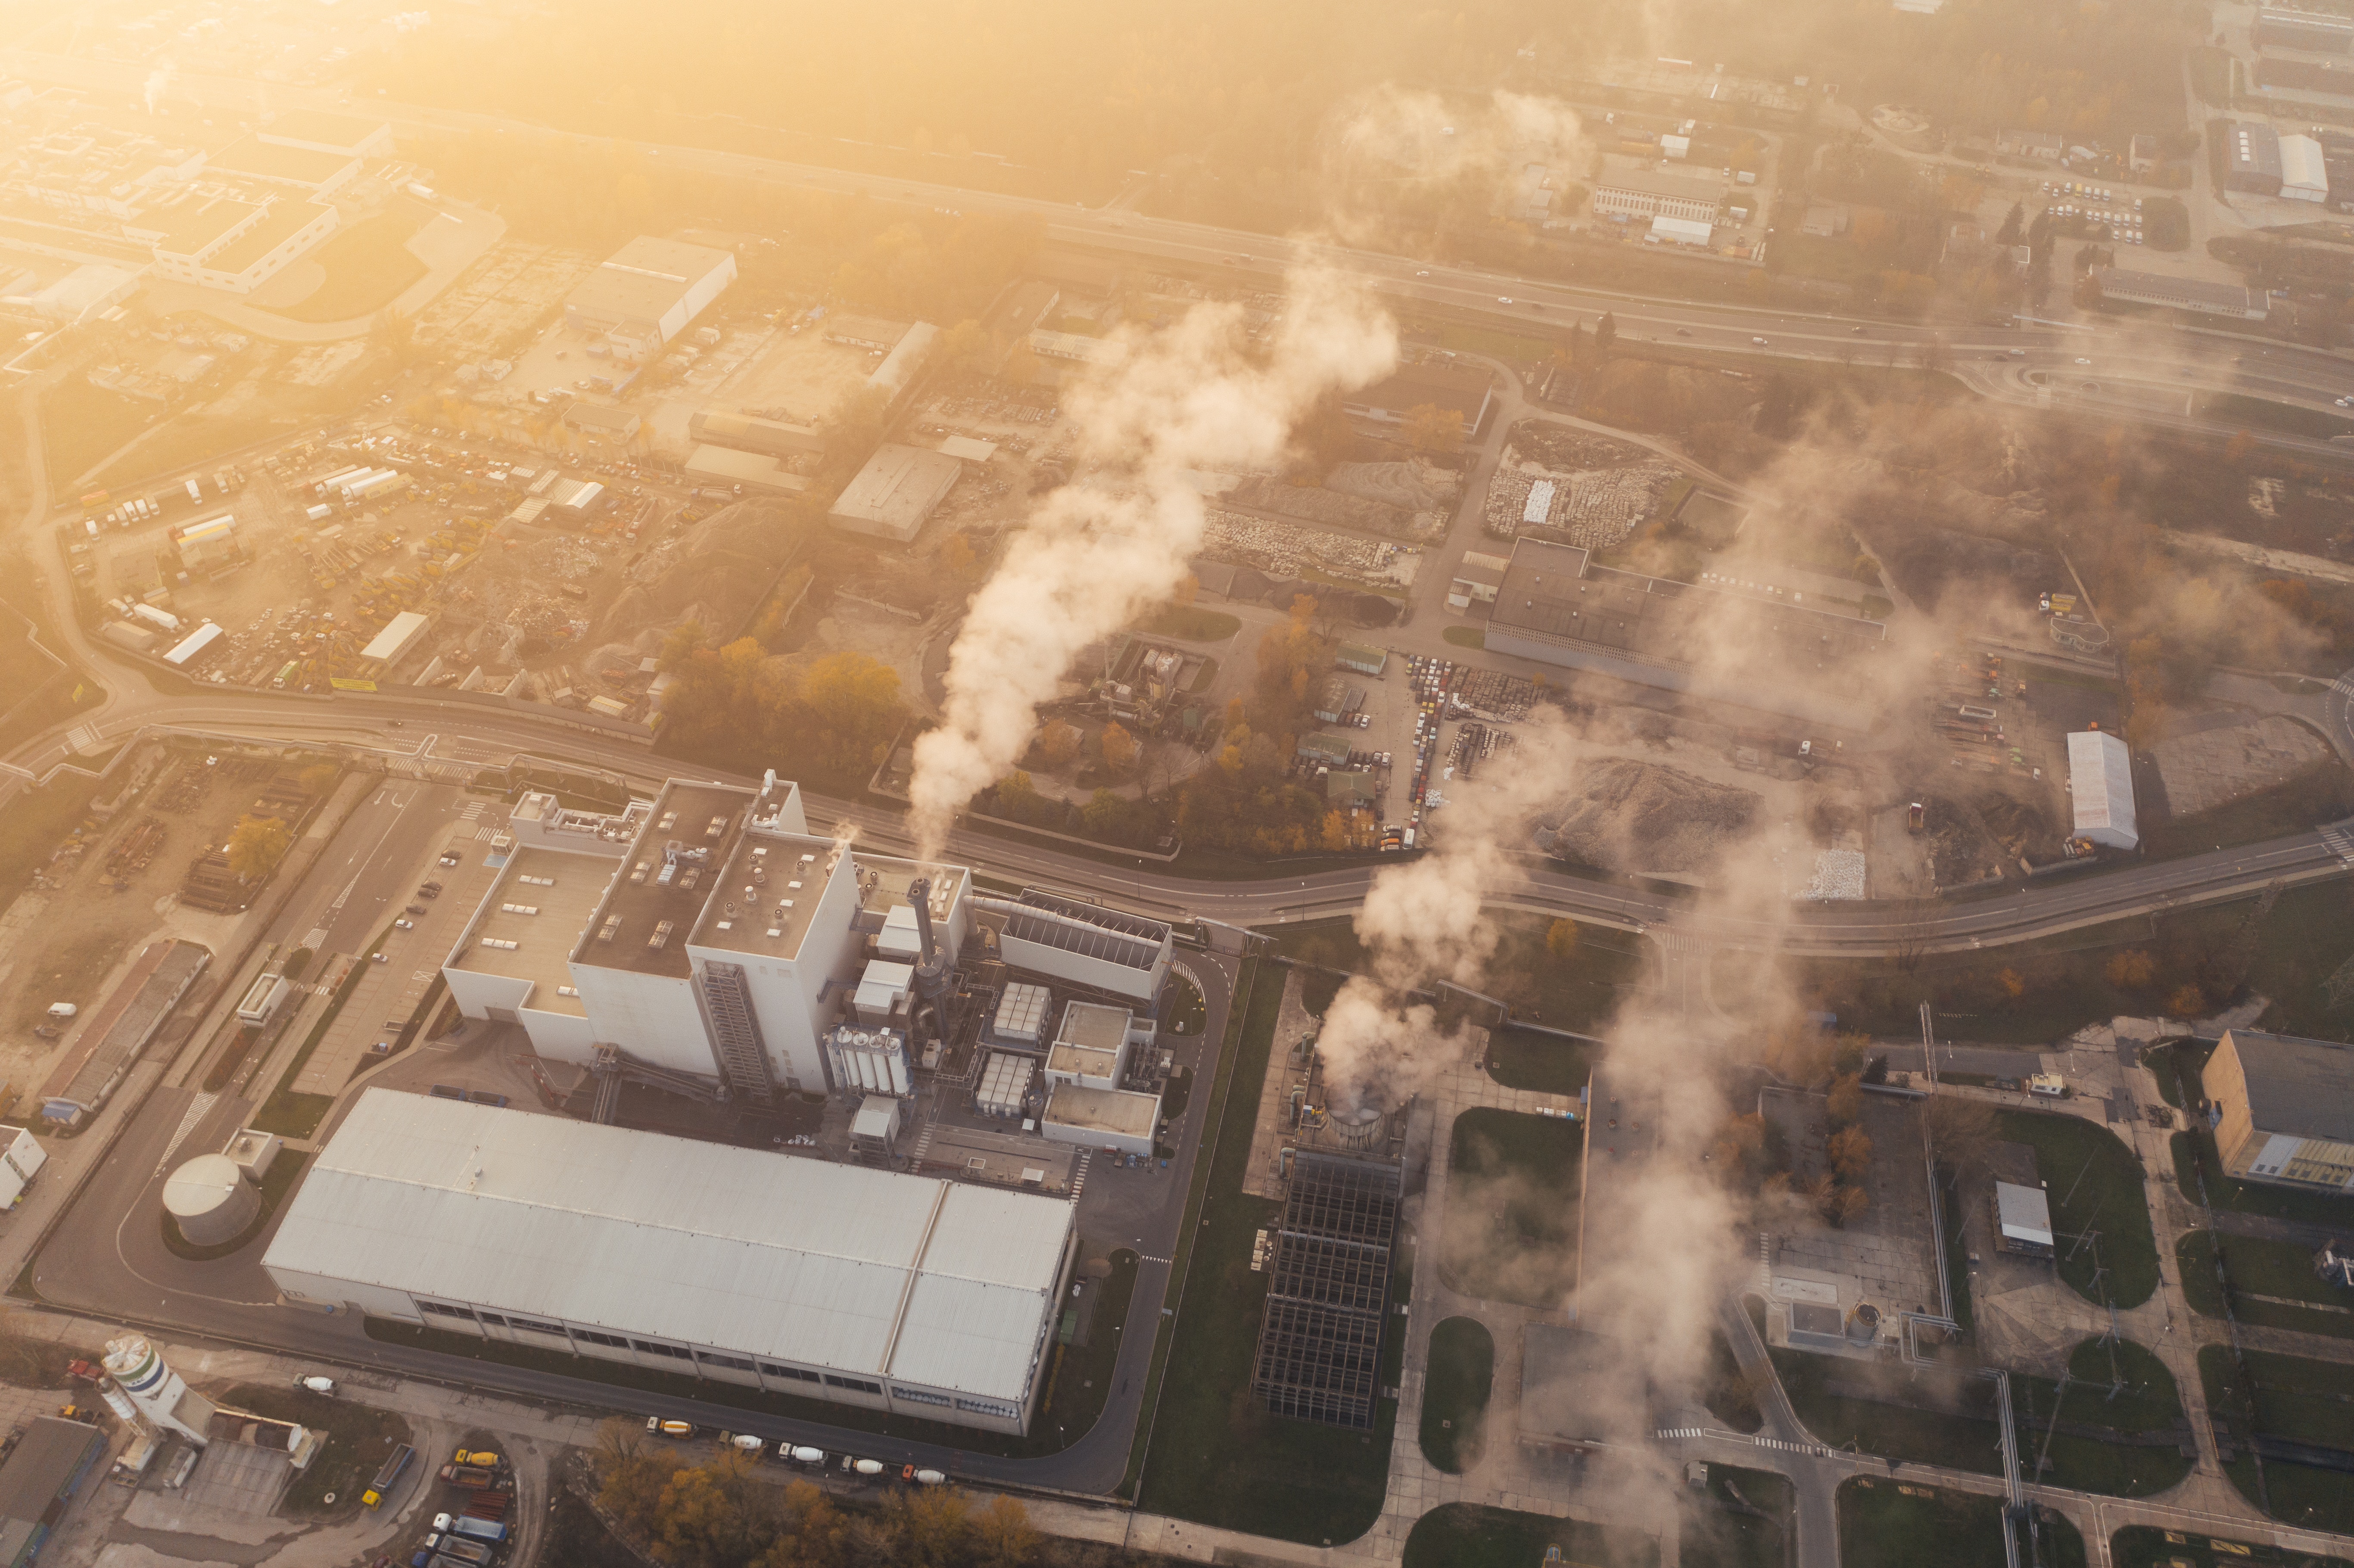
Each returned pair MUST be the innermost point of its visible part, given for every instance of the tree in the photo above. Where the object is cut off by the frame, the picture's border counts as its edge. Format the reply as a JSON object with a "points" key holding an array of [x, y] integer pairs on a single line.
{"points": [[2012, 221], [630, 1478], [2013, 983], [1850, 1152], [256, 847], [1118, 747], [932, 1523], [1003, 1535], [1561, 940], [1846, 1204], [1844, 1104], [1961, 1130], [2188, 1001], [395, 335], [1058, 744], [2131, 970], [1431, 429], [319, 778], [1606, 333], [1103, 812]]}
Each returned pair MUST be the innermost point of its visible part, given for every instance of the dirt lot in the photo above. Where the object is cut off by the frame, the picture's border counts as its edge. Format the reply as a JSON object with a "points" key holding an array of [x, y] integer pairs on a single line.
{"points": [[501, 298], [63, 940], [2230, 758]]}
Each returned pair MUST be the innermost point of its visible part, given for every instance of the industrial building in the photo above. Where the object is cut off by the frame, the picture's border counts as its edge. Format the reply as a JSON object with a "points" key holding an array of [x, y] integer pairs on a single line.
{"points": [[117, 1033], [753, 471], [2100, 789], [602, 421], [237, 243], [1085, 944], [1119, 1121], [260, 160], [2232, 301], [1658, 196], [1557, 607], [1319, 1345], [1462, 389], [2022, 1219], [2303, 31], [38, 1480], [894, 494], [2305, 176], [2284, 1110], [2251, 157], [398, 639], [891, 1292], [743, 432], [647, 293], [1091, 1048], [708, 935]]}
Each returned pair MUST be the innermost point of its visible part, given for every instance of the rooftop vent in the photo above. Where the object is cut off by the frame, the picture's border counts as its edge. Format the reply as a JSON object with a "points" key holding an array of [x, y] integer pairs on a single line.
{"points": [[661, 938], [611, 928], [502, 945]]}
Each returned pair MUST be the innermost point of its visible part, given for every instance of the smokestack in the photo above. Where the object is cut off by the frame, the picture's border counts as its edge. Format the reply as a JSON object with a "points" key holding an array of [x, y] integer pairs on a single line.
{"points": [[931, 971]]}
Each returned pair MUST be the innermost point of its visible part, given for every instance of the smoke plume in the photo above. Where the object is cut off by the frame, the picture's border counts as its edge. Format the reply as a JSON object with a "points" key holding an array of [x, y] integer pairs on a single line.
{"points": [[1394, 152], [1113, 542], [159, 81]]}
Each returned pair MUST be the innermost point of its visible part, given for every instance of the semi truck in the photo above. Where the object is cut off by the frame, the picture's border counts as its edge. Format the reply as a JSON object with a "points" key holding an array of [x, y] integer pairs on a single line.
{"points": [[395, 1465], [472, 1529]]}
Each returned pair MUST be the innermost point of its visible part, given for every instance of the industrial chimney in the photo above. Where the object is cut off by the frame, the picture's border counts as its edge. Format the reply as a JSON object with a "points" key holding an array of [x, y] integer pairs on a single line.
{"points": [[931, 978]]}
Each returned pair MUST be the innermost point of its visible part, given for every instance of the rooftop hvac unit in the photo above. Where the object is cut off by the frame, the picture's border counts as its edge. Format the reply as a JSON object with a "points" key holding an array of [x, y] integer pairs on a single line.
{"points": [[500, 944], [519, 908]]}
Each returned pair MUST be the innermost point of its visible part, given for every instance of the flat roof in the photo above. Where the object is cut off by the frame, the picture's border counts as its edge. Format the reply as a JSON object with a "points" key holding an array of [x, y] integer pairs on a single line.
{"points": [[1683, 187], [50, 1453], [281, 222], [126, 1022], [1103, 1110], [761, 900], [394, 639], [875, 331], [703, 1243], [897, 489], [566, 894], [626, 930], [2296, 1087], [887, 888], [645, 277], [1092, 1026], [736, 467], [1083, 1061], [199, 224], [2182, 293], [581, 414], [252, 157], [2025, 1213]]}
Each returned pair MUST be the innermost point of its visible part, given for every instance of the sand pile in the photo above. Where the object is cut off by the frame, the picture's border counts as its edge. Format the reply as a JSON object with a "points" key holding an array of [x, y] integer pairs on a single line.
{"points": [[1633, 816]]}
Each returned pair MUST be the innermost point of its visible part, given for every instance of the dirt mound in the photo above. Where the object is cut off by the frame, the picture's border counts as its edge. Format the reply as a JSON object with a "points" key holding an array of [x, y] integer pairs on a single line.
{"points": [[1416, 485], [1313, 504], [715, 572], [1628, 815]]}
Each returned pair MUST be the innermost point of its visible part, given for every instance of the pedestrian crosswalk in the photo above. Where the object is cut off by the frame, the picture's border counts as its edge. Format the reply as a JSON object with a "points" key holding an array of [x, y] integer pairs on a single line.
{"points": [[1080, 1173], [2339, 841], [83, 737], [1780, 1446], [923, 1142]]}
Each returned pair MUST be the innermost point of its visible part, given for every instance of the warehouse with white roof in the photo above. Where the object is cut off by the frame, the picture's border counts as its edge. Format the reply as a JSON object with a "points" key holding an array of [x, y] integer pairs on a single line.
{"points": [[2100, 788], [893, 1292]]}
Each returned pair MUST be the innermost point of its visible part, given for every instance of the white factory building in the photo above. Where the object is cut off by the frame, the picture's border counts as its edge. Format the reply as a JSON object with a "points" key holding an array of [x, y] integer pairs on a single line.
{"points": [[900, 1293], [2100, 789], [1084, 943], [647, 293], [708, 933]]}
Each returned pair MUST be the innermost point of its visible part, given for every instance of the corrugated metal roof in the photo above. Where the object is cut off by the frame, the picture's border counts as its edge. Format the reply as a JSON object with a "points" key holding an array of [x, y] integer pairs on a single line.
{"points": [[2296, 1087], [672, 1239], [2100, 783], [2025, 1213]]}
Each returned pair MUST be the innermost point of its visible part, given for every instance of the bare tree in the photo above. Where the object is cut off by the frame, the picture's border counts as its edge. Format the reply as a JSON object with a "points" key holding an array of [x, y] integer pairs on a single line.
{"points": [[1961, 1129]]}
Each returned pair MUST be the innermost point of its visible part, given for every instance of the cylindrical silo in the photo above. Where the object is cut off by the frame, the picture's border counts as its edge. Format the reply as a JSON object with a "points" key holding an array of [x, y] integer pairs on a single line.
{"points": [[211, 1201]]}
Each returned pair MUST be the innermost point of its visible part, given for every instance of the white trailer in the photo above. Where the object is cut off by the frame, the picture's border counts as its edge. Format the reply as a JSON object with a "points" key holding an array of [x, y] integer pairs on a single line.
{"points": [[20, 1161]]}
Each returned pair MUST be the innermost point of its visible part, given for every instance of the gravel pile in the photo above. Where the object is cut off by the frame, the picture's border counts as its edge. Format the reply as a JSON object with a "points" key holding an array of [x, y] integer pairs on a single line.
{"points": [[1635, 816], [1839, 873]]}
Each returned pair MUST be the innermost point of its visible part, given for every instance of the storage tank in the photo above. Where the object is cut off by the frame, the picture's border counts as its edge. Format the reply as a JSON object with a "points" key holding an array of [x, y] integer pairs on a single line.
{"points": [[1863, 1323], [211, 1201]]}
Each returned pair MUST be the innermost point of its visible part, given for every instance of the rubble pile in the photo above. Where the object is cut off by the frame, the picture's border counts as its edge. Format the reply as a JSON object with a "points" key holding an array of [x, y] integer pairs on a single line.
{"points": [[1839, 873], [1283, 550], [1314, 504], [1643, 817]]}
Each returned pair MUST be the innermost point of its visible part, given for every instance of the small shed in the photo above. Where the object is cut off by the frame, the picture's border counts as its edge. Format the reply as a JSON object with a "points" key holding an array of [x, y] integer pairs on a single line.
{"points": [[2100, 789], [2023, 1218]]}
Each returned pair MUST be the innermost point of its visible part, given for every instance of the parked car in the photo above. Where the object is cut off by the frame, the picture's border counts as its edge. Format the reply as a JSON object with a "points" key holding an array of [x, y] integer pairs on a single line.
{"points": [[405, 925]]}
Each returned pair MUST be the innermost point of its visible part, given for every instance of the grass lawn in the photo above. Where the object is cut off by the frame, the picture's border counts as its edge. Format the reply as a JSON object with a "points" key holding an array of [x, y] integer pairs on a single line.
{"points": [[368, 265], [1455, 1393], [190, 437], [1526, 1059], [1217, 1457], [578, 1538], [283, 1173], [2096, 1183], [38, 688], [2145, 1546], [1191, 623], [37, 820], [1581, 991], [2148, 1402], [2322, 792], [2262, 413], [2299, 1401], [1891, 1523], [360, 1437], [1892, 1431], [1740, 1520], [2261, 1267], [1512, 1207], [1465, 636], [1467, 1535], [81, 425], [2197, 1145]]}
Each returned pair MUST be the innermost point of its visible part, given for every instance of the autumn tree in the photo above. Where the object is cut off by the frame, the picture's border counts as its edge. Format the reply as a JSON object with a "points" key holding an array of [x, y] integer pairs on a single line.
{"points": [[2131, 970], [1961, 1129], [1431, 429], [630, 1478], [1850, 1152], [1003, 1535], [1118, 747], [1561, 940], [319, 778], [256, 846], [1844, 1104], [1059, 745], [707, 1519], [2188, 1001]]}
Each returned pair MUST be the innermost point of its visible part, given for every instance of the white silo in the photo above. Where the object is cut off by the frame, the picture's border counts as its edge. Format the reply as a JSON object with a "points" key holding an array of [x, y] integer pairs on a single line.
{"points": [[210, 1199], [156, 1390]]}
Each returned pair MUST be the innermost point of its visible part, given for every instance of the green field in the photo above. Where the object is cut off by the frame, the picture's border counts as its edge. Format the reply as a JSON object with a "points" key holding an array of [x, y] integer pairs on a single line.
{"points": [[2144, 1546], [1512, 1207], [2297, 1401], [1190, 623], [368, 265], [1740, 1519], [1893, 1524], [1581, 991], [1465, 636], [1530, 1059], [1455, 1388], [1217, 1455], [2262, 1268], [2096, 1184], [1467, 1535], [2148, 1403]]}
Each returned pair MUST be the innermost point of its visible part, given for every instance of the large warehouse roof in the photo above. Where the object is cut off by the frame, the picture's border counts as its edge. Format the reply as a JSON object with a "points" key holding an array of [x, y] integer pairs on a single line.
{"points": [[645, 277], [704, 1244], [2296, 1087], [2100, 788]]}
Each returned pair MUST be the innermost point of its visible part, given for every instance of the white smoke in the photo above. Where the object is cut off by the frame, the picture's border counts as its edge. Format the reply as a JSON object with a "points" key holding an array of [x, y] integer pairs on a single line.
{"points": [[1101, 550], [1391, 144], [159, 81]]}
